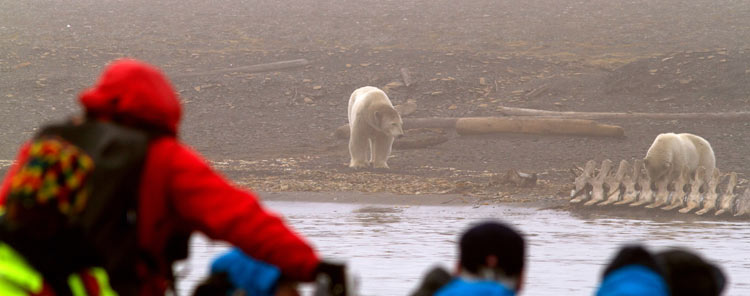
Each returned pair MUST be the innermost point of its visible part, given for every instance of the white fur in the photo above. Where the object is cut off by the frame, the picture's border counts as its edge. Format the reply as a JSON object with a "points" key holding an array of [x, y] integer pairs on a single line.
{"points": [[366, 132], [671, 152]]}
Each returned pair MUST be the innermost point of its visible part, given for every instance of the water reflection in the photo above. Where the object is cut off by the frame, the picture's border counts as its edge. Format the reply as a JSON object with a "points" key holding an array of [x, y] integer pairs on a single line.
{"points": [[375, 216], [390, 247]]}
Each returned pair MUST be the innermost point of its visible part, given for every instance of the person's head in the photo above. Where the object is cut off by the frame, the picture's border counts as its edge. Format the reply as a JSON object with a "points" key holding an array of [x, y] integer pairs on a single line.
{"points": [[134, 93], [493, 250], [632, 254], [633, 271], [688, 274]]}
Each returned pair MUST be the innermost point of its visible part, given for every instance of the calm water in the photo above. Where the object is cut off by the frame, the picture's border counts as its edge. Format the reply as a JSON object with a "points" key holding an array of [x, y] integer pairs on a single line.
{"points": [[390, 247]]}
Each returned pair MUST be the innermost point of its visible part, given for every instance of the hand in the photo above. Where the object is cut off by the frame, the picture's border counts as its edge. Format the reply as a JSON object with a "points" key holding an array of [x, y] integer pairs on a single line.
{"points": [[331, 279], [286, 288]]}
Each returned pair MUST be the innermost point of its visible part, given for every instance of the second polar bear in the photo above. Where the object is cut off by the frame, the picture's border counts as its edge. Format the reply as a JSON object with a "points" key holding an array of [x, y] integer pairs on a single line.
{"points": [[373, 124], [671, 152]]}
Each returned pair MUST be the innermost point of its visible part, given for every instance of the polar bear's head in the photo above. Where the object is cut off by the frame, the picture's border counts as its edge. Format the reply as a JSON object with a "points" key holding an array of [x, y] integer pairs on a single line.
{"points": [[657, 169], [387, 120]]}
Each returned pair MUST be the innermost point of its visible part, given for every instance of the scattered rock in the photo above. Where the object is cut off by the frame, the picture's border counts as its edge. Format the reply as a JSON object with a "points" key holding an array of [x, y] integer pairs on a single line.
{"points": [[394, 84], [515, 178], [406, 108], [22, 65]]}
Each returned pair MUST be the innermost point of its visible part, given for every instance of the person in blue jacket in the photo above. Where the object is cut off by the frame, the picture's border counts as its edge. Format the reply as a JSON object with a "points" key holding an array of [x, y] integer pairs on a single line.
{"points": [[491, 262], [634, 271]]}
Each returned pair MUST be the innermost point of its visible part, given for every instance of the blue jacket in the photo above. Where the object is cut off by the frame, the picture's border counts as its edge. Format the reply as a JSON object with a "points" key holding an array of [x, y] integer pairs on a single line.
{"points": [[252, 276], [460, 287], [633, 280]]}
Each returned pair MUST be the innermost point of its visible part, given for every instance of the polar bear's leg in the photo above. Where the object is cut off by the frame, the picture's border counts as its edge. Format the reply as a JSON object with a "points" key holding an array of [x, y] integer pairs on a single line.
{"points": [[707, 158], [358, 146], [381, 149], [370, 145]]}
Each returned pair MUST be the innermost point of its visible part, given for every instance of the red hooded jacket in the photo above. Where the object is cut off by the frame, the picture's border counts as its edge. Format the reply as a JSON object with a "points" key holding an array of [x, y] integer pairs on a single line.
{"points": [[179, 192]]}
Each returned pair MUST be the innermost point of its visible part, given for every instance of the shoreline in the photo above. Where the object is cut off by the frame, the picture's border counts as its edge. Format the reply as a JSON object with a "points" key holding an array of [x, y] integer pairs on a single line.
{"points": [[400, 199], [458, 200], [371, 198]]}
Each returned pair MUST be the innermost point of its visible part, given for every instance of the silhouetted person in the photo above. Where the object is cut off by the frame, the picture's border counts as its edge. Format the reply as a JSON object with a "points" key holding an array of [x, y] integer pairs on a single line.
{"points": [[491, 262], [688, 274], [633, 272]]}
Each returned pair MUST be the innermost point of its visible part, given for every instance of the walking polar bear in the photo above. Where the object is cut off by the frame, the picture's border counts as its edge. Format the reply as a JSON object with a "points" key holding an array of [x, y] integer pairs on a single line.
{"points": [[671, 153], [373, 124]]}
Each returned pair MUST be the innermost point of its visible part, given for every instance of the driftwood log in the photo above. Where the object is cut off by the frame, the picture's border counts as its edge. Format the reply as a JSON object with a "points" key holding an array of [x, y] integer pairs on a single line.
{"points": [[548, 126], [487, 125], [342, 132], [421, 138], [280, 65], [512, 111]]}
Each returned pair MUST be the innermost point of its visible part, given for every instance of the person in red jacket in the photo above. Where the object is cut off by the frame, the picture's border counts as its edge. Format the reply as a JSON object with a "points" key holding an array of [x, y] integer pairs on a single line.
{"points": [[179, 192]]}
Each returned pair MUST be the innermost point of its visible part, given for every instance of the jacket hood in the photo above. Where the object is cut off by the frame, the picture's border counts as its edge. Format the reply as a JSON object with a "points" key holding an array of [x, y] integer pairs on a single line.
{"points": [[134, 92]]}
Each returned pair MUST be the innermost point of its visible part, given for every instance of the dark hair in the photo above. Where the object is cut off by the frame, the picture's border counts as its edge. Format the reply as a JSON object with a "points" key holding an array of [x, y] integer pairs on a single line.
{"points": [[493, 238], [633, 254], [688, 274]]}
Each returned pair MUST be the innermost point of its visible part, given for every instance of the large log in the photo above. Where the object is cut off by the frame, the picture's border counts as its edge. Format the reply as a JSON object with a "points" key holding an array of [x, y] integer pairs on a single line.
{"points": [[342, 132], [554, 126], [485, 125], [512, 111], [281, 65]]}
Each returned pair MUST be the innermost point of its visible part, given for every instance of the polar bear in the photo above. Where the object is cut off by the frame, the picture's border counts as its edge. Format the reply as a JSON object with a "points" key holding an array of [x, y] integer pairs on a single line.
{"points": [[373, 124], [671, 152]]}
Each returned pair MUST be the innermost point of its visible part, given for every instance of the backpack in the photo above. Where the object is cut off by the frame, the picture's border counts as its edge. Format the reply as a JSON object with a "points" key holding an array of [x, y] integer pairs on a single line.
{"points": [[73, 202]]}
